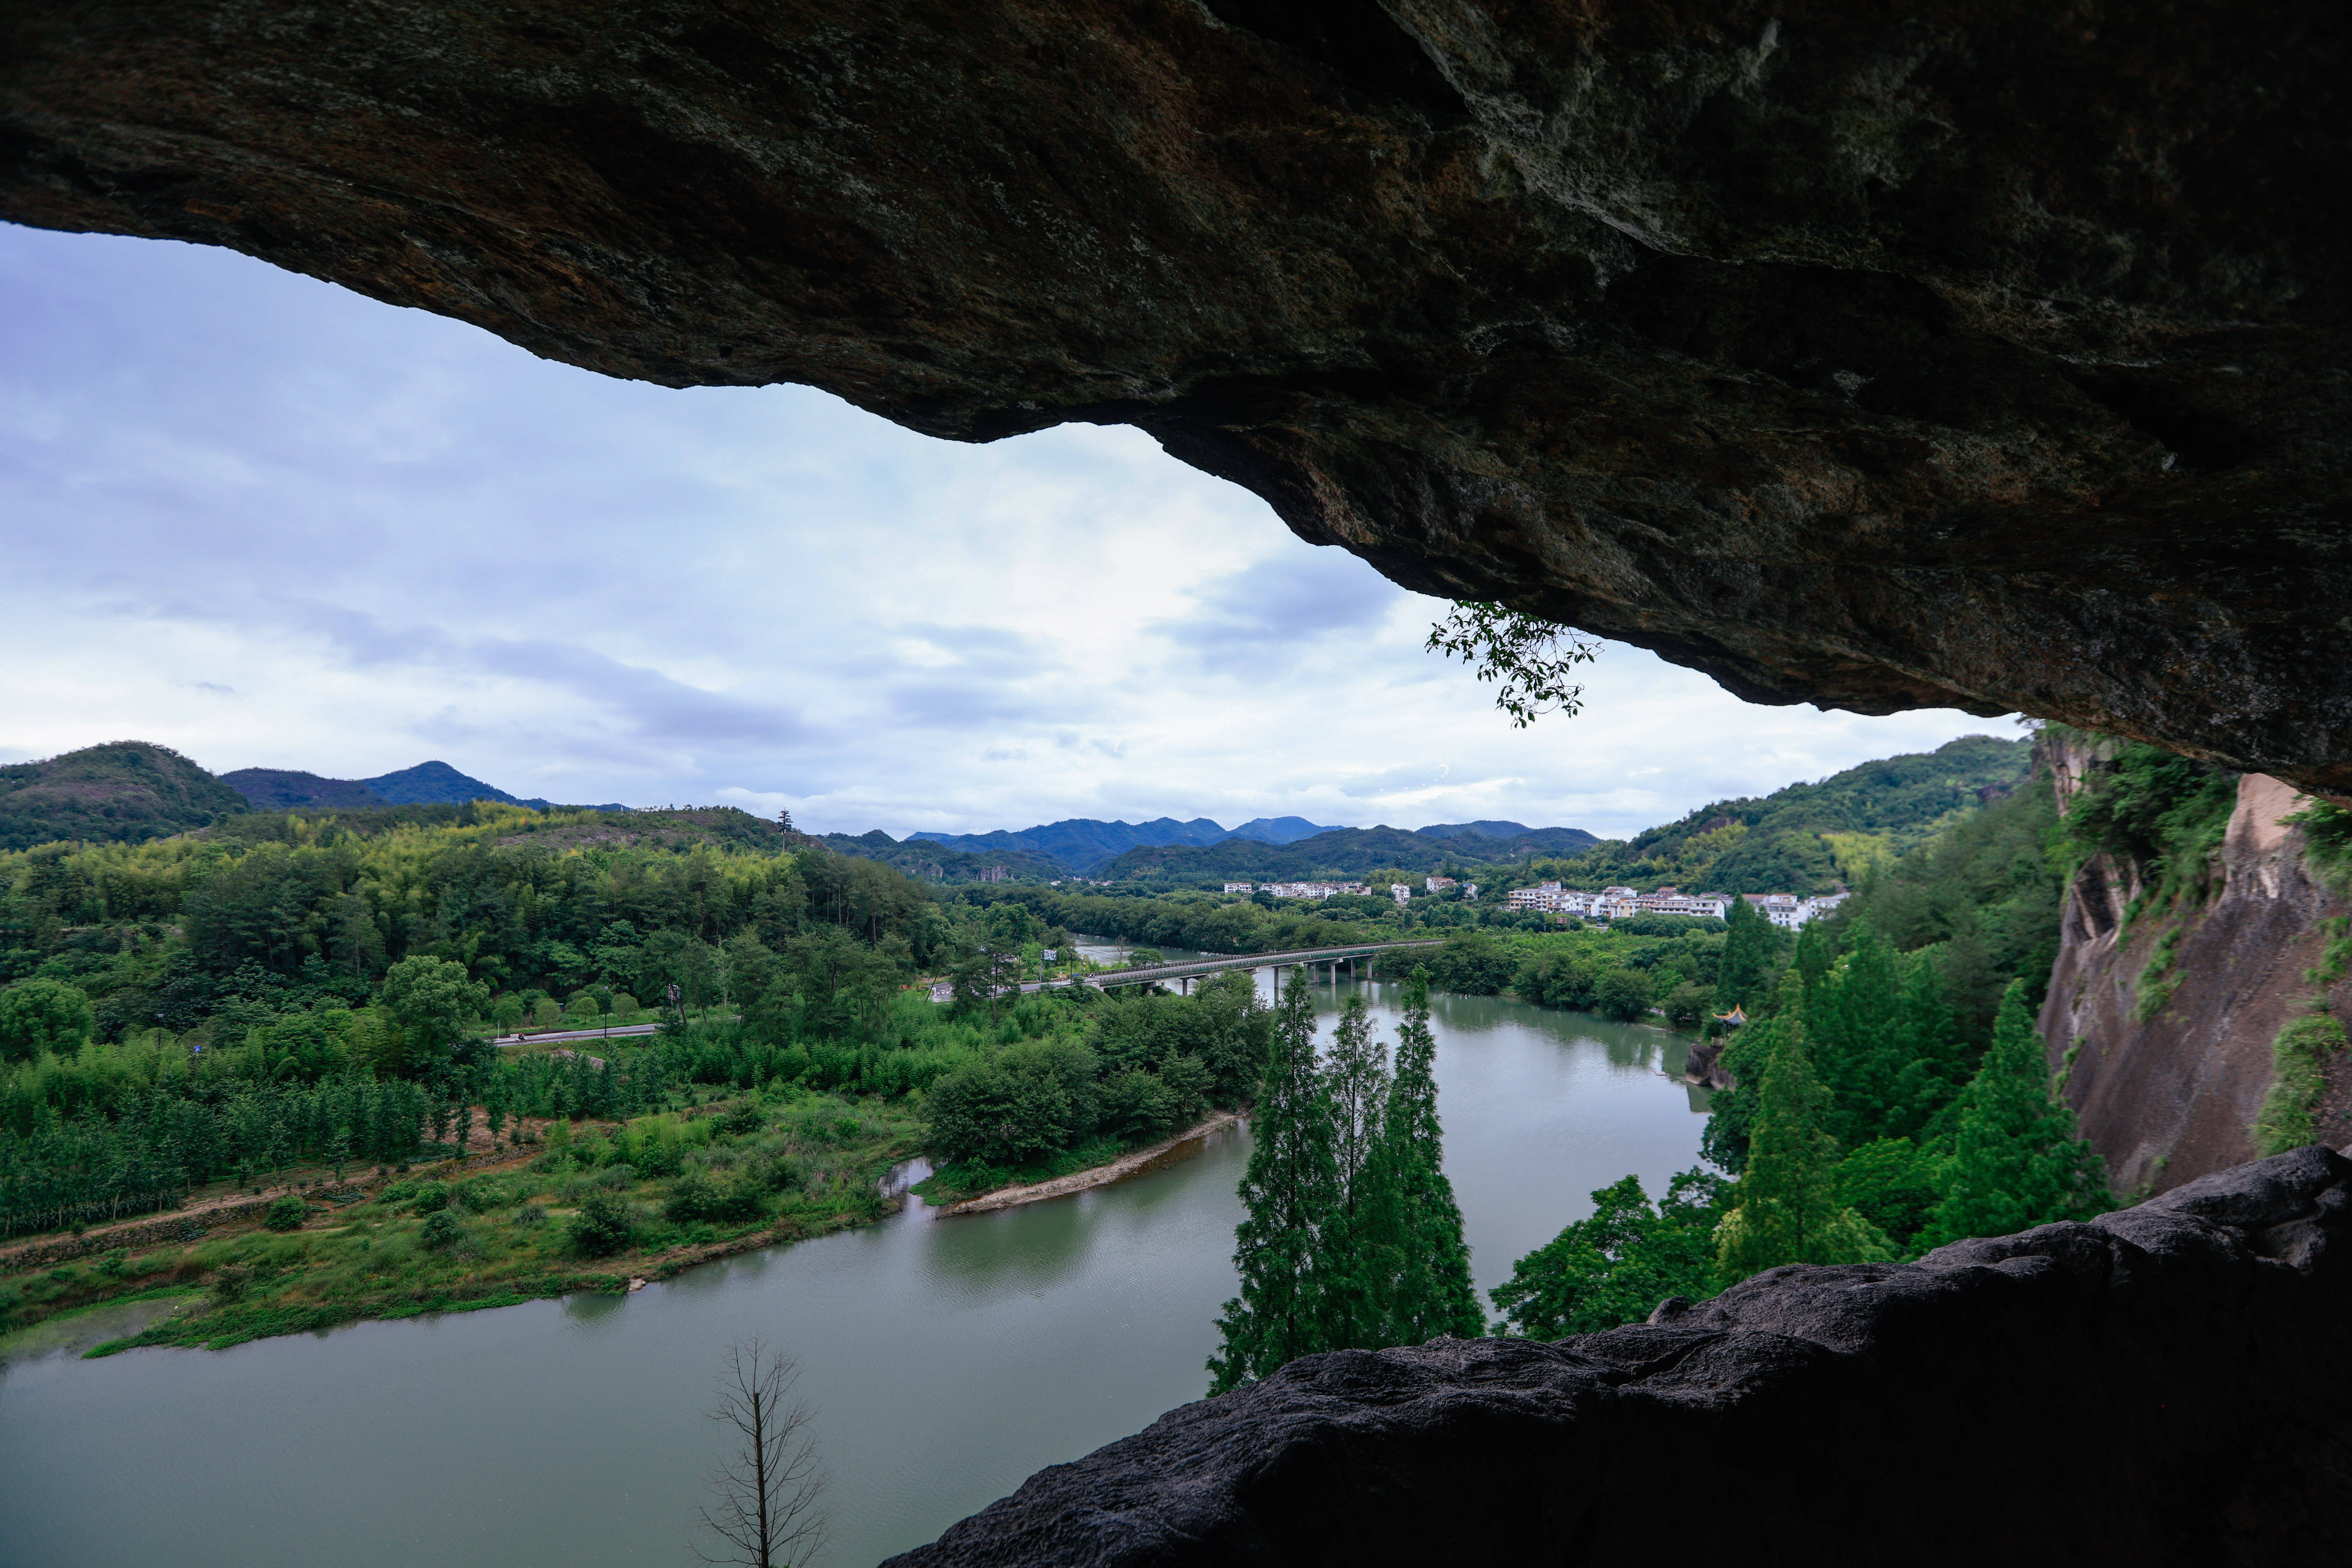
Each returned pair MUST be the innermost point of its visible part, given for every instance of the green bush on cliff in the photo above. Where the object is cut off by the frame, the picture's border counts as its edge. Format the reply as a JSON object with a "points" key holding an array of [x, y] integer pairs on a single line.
{"points": [[2290, 1114], [2159, 811]]}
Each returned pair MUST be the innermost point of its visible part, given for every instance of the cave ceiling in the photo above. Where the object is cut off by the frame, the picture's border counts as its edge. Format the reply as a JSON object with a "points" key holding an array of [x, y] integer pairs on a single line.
{"points": [[1974, 356]]}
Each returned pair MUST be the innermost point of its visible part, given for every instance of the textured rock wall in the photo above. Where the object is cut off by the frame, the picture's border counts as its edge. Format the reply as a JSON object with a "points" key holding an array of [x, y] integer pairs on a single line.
{"points": [[2168, 1385], [2173, 1097], [1954, 354]]}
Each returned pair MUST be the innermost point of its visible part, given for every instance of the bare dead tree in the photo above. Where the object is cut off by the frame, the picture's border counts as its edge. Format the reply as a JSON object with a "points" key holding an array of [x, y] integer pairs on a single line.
{"points": [[765, 1500]]}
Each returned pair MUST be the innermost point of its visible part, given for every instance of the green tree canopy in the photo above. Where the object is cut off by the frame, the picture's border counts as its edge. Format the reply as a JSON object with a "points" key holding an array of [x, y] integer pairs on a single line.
{"points": [[1414, 1230], [434, 1004], [1614, 1266], [1289, 1184], [44, 1015], [2016, 1163], [1787, 1209]]}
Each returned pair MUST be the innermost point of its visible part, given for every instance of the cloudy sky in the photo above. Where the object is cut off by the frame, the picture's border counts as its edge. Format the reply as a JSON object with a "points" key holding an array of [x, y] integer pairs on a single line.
{"points": [[270, 523]]}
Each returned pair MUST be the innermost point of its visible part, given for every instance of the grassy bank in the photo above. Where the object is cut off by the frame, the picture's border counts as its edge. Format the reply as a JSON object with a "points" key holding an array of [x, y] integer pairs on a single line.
{"points": [[591, 1208]]}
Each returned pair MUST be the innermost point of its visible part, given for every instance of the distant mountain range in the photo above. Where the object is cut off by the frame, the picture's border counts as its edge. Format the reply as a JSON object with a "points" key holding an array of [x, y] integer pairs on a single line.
{"points": [[426, 784], [1352, 852], [1080, 844]]}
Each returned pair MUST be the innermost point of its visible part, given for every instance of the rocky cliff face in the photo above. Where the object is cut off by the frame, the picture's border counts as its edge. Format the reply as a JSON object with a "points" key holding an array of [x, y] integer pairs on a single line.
{"points": [[2168, 1092], [2166, 1386], [1875, 356]]}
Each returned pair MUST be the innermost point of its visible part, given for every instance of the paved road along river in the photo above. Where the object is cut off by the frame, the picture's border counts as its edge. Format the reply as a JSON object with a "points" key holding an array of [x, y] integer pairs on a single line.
{"points": [[946, 1358]]}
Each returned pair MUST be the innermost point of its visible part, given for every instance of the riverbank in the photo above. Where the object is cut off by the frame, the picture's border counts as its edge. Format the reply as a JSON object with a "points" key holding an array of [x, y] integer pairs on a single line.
{"points": [[1126, 1165], [595, 1210]]}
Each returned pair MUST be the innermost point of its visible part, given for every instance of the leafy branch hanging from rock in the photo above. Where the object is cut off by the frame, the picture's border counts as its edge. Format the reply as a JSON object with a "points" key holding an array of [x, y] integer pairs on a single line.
{"points": [[1525, 652]]}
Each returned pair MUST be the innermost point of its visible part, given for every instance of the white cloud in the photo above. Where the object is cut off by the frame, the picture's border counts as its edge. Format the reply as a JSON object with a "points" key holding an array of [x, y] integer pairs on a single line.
{"points": [[271, 523]]}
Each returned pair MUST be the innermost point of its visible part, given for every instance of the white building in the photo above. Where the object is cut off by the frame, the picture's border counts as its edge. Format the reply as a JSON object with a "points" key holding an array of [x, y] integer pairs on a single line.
{"points": [[1401, 891], [1436, 884], [1470, 891], [1312, 890], [1240, 886], [1546, 896]]}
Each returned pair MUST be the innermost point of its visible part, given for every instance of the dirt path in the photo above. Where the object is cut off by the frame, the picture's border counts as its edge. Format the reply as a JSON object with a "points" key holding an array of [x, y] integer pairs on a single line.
{"points": [[1126, 1165]]}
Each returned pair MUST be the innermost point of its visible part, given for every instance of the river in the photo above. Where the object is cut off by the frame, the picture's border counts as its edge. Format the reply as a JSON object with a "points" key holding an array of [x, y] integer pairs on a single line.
{"points": [[945, 1359]]}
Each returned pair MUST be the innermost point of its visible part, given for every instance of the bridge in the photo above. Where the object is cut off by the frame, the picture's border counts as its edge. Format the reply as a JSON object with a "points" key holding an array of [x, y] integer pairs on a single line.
{"points": [[1183, 974]]}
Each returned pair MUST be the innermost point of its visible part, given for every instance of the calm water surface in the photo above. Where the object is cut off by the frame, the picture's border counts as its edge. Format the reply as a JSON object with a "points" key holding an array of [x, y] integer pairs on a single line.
{"points": [[946, 1359]]}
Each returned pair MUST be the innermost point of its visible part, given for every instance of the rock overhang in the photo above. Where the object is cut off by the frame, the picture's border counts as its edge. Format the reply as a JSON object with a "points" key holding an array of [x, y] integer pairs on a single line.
{"points": [[1981, 356]]}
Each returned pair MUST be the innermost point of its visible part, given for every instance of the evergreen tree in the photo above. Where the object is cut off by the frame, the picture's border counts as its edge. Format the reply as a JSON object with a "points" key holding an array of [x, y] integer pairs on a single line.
{"points": [[1415, 1228], [1353, 1265], [2015, 1162], [1787, 1209], [1742, 972], [1613, 1268], [1853, 1024], [1288, 1188]]}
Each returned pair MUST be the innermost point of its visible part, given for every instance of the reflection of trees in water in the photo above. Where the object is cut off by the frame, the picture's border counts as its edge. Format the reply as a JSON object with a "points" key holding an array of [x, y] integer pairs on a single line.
{"points": [[1026, 1248]]}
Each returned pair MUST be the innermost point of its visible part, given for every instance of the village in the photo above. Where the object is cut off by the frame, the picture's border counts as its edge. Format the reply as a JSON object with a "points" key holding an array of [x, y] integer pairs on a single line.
{"points": [[1787, 910]]}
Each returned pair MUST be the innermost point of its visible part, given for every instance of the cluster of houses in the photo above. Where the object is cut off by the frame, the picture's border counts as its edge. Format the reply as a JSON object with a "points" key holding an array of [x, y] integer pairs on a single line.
{"points": [[1786, 911], [1400, 891], [1299, 889]]}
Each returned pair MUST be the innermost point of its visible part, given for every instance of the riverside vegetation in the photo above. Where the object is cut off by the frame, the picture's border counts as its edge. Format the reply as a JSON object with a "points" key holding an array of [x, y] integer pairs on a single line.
{"points": [[281, 997], [1888, 1093]]}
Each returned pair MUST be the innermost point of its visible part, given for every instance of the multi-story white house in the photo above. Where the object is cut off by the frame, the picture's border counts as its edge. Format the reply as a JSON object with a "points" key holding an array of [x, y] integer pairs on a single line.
{"points": [[1436, 884], [1401, 891], [1240, 886], [1544, 897]]}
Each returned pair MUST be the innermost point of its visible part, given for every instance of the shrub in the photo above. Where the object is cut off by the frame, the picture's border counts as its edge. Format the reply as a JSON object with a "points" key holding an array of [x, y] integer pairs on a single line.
{"points": [[2289, 1113], [601, 1227], [286, 1213], [744, 1118], [479, 1196], [231, 1283], [431, 1198], [1623, 994], [697, 1197], [530, 1216], [441, 1230]]}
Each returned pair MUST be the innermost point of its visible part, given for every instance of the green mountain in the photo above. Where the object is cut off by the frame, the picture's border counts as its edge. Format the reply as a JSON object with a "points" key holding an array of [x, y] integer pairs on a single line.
{"points": [[125, 792], [928, 860], [284, 789], [1808, 837], [1344, 852]]}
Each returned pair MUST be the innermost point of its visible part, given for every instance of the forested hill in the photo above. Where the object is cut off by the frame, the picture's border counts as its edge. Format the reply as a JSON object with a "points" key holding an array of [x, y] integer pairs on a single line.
{"points": [[1084, 844], [1808, 837], [1347, 852], [126, 792], [931, 861]]}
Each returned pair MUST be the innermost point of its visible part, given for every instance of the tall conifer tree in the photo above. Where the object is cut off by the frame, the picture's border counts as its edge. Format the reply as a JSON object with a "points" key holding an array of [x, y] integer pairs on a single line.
{"points": [[1746, 954], [1786, 1204], [1352, 1265], [1287, 1189], [2015, 1162], [1416, 1231]]}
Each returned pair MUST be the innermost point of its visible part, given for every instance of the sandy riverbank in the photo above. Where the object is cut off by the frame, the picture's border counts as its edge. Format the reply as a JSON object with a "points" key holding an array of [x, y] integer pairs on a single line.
{"points": [[1126, 1165]]}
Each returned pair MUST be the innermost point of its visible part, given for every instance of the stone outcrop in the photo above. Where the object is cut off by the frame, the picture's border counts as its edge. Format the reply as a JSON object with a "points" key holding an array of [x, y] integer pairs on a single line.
{"points": [[2173, 1095], [2166, 1385], [1983, 356]]}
